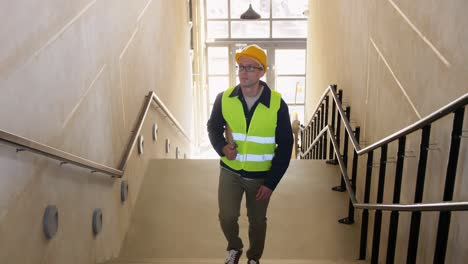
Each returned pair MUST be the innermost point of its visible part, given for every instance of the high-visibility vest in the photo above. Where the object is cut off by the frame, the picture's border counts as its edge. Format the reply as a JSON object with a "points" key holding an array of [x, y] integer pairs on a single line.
{"points": [[255, 147]]}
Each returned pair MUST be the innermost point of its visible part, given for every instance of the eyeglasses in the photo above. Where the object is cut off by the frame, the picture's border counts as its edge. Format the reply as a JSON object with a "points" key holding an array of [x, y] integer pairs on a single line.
{"points": [[248, 68]]}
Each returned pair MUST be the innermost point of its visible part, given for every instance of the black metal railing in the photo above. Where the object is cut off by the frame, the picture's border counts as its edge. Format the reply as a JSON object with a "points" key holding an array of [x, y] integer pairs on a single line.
{"points": [[313, 138]]}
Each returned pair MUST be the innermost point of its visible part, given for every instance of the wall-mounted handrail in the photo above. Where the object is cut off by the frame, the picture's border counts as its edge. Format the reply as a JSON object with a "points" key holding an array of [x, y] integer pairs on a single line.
{"points": [[443, 206], [150, 98], [27, 144]]}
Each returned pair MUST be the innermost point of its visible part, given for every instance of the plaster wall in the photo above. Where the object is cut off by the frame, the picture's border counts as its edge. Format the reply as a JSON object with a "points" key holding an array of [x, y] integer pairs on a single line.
{"points": [[74, 76], [397, 61]]}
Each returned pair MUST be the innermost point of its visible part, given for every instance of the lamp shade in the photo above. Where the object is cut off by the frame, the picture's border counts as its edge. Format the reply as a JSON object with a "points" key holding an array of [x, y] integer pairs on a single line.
{"points": [[250, 14]]}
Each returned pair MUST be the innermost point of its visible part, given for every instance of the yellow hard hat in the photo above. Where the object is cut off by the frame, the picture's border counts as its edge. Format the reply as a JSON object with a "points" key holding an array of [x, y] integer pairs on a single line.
{"points": [[254, 52]]}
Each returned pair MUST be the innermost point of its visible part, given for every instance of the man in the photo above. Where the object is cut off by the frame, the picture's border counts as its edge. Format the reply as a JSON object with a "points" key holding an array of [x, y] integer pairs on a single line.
{"points": [[254, 154]]}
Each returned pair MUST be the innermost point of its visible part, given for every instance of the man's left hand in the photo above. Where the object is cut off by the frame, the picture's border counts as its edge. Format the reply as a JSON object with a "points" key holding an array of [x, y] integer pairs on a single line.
{"points": [[264, 193]]}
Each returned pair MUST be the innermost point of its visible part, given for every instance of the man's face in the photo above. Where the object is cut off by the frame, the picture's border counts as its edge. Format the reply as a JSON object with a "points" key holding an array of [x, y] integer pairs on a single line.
{"points": [[248, 78]]}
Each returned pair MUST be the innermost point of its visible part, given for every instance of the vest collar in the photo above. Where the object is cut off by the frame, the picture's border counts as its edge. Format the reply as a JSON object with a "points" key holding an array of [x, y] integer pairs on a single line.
{"points": [[264, 98]]}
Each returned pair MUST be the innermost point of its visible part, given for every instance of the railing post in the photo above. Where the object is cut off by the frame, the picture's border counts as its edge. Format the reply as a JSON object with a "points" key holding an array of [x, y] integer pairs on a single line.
{"points": [[338, 127], [304, 141], [314, 123], [378, 213], [418, 196], [322, 117], [309, 136], [392, 233], [301, 137], [350, 219], [325, 141], [332, 156], [342, 186], [444, 217], [365, 212], [338, 123], [317, 131]]}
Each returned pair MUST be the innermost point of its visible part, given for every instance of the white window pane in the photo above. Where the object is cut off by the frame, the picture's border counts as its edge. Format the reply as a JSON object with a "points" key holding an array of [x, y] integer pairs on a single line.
{"points": [[296, 110], [290, 29], [291, 89], [250, 29], [217, 84], [217, 29], [262, 7], [289, 8], [216, 9], [218, 60], [290, 61]]}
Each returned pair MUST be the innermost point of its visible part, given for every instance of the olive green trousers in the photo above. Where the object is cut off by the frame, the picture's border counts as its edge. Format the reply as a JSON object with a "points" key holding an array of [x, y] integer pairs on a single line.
{"points": [[231, 189]]}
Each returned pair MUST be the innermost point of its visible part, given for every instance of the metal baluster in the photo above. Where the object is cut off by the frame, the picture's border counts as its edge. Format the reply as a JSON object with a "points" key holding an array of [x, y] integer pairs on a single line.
{"points": [[418, 196], [312, 136], [378, 213], [317, 122], [309, 138], [316, 128], [338, 128], [393, 229], [342, 186], [365, 212], [332, 153], [301, 136], [444, 217], [350, 219], [338, 123], [325, 141], [322, 117], [306, 146], [304, 142]]}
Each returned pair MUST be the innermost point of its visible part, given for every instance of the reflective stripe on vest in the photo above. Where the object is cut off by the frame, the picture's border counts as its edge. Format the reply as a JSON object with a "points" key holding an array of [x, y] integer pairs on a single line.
{"points": [[256, 146], [261, 140], [254, 158]]}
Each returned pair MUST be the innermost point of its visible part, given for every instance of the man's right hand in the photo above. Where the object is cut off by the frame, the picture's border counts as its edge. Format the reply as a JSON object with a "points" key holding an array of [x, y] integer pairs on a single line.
{"points": [[230, 152]]}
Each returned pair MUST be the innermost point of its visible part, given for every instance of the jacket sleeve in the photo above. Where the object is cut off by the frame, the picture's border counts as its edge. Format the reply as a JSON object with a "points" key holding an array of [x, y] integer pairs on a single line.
{"points": [[284, 141], [216, 125]]}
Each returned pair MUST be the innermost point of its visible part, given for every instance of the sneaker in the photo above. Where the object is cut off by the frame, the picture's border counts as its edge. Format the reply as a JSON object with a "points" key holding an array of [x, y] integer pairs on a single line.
{"points": [[233, 256], [253, 261]]}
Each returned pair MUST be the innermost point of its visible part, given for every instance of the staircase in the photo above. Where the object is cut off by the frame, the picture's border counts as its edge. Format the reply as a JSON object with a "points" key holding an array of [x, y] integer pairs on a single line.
{"points": [[175, 217]]}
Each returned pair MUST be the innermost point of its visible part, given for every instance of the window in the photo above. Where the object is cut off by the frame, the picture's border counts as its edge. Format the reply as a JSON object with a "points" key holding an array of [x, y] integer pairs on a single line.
{"points": [[290, 67], [250, 29], [289, 9], [285, 20], [216, 9], [260, 6], [218, 71], [280, 20]]}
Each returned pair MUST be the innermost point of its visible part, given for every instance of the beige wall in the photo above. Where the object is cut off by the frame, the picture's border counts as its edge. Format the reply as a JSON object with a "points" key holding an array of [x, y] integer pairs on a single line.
{"points": [[397, 61], [73, 75]]}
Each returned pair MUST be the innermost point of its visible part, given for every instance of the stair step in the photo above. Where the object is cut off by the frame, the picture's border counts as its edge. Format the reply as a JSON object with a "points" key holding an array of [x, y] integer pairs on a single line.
{"points": [[170, 228], [220, 261]]}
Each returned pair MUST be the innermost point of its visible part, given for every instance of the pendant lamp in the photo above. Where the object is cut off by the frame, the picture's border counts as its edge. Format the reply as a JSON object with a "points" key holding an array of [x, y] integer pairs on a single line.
{"points": [[250, 14]]}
